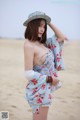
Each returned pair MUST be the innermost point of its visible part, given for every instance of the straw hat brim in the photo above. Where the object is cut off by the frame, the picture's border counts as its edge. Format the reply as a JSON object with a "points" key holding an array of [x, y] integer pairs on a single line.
{"points": [[46, 17]]}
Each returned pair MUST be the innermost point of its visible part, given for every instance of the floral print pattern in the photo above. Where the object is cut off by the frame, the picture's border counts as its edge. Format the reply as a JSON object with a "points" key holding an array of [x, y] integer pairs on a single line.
{"points": [[38, 92]]}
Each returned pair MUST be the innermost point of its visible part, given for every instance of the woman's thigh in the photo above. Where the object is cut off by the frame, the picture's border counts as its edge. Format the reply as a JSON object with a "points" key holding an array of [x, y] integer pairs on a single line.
{"points": [[42, 114]]}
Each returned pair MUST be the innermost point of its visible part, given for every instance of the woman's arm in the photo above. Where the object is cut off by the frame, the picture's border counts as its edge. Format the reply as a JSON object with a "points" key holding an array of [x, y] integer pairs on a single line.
{"points": [[55, 43], [61, 37], [30, 74], [28, 56]]}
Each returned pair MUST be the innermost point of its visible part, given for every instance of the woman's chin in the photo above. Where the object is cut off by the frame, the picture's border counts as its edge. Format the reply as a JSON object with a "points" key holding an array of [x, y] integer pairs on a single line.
{"points": [[39, 36]]}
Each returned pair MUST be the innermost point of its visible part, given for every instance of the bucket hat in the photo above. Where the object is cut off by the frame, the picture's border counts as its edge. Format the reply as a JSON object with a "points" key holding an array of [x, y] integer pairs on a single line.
{"points": [[36, 15]]}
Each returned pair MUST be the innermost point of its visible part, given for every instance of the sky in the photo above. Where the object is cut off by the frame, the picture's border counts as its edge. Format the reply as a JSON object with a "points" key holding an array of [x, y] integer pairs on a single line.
{"points": [[65, 14]]}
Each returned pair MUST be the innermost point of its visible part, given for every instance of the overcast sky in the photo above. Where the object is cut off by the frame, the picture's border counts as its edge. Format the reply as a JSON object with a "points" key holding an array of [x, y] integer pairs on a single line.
{"points": [[65, 14]]}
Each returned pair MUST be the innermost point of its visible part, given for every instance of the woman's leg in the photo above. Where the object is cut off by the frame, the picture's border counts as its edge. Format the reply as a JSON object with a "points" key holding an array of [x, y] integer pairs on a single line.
{"points": [[42, 114]]}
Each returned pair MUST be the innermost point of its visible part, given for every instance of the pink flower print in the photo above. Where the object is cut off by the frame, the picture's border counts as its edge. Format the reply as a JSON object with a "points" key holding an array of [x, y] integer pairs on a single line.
{"points": [[37, 111], [49, 97], [53, 46], [34, 81], [55, 75], [49, 46], [34, 90], [59, 68], [43, 86], [36, 96], [39, 100], [57, 58]]}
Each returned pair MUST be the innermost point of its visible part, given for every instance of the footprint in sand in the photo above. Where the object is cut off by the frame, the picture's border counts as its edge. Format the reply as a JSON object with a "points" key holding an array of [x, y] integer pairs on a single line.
{"points": [[10, 94], [13, 106], [63, 101]]}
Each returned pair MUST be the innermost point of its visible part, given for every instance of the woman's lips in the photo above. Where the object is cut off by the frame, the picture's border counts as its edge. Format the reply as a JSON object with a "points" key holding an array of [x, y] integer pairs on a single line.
{"points": [[40, 33]]}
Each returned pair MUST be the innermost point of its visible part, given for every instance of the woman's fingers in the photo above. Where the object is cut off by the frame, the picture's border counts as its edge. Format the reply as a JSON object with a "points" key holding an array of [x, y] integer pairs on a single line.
{"points": [[55, 81], [66, 38]]}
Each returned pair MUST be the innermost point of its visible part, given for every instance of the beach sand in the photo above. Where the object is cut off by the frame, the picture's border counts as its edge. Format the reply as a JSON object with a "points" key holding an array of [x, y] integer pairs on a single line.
{"points": [[66, 102]]}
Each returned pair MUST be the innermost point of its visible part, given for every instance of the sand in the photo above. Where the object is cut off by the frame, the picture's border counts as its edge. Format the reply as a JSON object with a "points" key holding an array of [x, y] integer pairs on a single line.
{"points": [[66, 103]]}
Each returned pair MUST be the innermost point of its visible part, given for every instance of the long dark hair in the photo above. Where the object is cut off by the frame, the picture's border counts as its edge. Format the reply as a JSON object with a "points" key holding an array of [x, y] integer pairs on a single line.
{"points": [[31, 31]]}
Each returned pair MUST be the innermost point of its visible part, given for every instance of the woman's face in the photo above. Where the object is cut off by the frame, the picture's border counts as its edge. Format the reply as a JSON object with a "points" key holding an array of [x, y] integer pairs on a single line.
{"points": [[41, 28]]}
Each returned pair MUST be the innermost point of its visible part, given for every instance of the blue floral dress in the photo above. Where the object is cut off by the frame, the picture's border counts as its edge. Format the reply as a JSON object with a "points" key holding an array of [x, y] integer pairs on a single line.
{"points": [[38, 92]]}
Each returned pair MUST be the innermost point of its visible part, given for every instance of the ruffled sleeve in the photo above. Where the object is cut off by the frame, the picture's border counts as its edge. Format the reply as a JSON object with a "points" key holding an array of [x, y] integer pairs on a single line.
{"points": [[56, 48]]}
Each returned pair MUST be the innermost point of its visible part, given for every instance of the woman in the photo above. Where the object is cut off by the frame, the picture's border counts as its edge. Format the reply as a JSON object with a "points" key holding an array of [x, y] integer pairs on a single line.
{"points": [[43, 59]]}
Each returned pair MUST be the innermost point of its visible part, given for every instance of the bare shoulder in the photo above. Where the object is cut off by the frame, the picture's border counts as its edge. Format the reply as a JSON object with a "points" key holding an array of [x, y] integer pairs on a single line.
{"points": [[27, 43], [28, 46]]}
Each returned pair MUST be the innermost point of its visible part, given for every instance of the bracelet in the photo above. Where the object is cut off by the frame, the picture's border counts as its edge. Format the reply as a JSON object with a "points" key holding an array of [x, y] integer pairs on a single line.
{"points": [[49, 79]]}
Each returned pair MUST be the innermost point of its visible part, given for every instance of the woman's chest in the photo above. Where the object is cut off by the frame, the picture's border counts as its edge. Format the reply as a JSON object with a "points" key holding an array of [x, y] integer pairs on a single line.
{"points": [[40, 54]]}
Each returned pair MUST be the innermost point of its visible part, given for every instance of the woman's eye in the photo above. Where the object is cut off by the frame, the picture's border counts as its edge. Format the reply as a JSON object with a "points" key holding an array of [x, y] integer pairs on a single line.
{"points": [[42, 26]]}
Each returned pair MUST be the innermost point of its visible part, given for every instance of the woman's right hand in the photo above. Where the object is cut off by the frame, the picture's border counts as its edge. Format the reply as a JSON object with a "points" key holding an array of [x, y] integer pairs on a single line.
{"points": [[55, 81]]}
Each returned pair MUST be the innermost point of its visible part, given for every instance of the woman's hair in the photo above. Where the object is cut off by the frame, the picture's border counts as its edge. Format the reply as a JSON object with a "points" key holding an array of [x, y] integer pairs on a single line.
{"points": [[31, 31]]}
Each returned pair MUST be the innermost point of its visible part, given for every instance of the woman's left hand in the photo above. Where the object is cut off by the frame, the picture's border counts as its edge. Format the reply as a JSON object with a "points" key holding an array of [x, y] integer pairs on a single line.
{"points": [[55, 81], [60, 36]]}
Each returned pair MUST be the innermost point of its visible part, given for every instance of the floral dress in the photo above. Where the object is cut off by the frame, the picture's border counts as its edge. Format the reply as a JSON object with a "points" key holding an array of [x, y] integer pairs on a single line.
{"points": [[38, 92]]}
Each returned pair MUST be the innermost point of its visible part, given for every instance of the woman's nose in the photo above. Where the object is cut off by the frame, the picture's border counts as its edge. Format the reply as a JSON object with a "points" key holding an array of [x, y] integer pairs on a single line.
{"points": [[42, 29]]}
